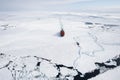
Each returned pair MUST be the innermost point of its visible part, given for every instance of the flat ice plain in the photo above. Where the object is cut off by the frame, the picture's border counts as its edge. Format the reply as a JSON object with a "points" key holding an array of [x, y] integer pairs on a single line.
{"points": [[31, 46]]}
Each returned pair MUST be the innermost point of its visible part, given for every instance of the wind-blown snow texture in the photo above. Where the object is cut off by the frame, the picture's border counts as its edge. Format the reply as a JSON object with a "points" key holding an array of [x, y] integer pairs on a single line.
{"points": [[31, 48]]}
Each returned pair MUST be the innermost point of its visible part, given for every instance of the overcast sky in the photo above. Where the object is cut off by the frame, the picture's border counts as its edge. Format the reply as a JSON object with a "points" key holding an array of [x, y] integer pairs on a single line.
{"points": [[57, 5]]}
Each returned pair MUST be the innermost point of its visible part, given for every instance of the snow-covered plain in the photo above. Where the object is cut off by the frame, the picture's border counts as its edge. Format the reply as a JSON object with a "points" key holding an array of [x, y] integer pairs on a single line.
{"points": [[26, 36]]}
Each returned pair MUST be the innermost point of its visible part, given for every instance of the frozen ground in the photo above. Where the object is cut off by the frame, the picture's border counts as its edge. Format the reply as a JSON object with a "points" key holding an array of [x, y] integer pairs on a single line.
{"points": [[26, 36]]}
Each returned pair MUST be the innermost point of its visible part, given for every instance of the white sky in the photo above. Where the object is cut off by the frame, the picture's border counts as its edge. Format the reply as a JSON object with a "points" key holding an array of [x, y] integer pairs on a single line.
{"points": [[56, 5]]}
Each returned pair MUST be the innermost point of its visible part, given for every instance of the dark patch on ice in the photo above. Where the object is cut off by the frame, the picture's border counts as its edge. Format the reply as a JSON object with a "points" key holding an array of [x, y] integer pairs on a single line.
{"points": [[113, 44], [95, 17], [105, 65], [77, 77], [6, 26], [38, 63], [87, 75], [58, 75], [111, 25], [97, 23], [92, 74], [88, 23], [1, 54]]}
